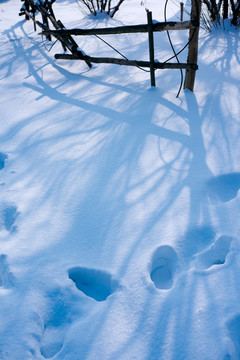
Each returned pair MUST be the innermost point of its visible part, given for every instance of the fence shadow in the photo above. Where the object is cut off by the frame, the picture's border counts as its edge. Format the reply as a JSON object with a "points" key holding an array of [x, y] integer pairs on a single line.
{"points": [[122, 193]]}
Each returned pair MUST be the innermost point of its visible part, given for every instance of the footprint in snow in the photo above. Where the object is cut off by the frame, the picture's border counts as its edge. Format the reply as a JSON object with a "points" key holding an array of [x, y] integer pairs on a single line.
{"points": [[56, 322], [63, 309], [8, 217], [3, 158], [163, 267], [6, 277], [215, 255], [224, 187], [97, 284]]}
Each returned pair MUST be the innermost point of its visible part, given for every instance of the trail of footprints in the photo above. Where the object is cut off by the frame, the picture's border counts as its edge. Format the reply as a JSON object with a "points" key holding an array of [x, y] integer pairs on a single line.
{"points": [[200, 248], [222, 188], [164, 259], [99, 284], [8, 215], [95, 284]]}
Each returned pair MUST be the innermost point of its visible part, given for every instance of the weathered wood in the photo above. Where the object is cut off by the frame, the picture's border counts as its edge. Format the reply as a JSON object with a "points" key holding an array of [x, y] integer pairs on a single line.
{"points": [[32, 17], [181, 11], [67, 41], [42, 26], [46, 16], [46, 24], [151, 47], [105, 60], [193, 46], [159, 26], [27, 9], [65, 37]]}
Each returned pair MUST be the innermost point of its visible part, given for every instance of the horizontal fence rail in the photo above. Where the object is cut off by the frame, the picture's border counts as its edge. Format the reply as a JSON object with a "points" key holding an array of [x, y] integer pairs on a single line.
{"points": [[106, 60], [130, 29], [65, 36]]}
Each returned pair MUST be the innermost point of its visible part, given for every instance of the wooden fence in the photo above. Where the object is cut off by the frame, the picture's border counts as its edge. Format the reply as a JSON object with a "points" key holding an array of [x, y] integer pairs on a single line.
{"points": [[65, 36]]}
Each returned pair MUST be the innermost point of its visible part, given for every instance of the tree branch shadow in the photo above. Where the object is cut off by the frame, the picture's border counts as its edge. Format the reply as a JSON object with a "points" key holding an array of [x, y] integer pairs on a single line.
{"points": [[122, 171]]}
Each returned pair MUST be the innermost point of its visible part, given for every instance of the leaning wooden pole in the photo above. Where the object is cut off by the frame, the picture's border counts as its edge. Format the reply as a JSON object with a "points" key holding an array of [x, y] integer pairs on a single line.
{"points": [[193, 45], [27, 9]]}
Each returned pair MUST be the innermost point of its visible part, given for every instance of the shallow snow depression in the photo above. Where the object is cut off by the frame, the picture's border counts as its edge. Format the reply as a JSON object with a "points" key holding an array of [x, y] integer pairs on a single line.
{"points": [[119, 204]]}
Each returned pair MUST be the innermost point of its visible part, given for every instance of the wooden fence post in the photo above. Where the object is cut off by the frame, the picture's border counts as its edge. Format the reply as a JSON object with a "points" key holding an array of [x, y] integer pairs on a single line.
{"points": [[27, 8], [65, 37], [181, 11], [151, 47], [193, 45]]}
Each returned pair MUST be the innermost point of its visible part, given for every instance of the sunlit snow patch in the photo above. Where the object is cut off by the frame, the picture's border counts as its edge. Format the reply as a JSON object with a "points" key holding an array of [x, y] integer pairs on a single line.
{"points": [[94, 283]]}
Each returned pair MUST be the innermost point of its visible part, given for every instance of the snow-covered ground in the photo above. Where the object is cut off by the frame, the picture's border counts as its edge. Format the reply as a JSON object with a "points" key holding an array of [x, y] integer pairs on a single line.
{"points": [[119, 203]]}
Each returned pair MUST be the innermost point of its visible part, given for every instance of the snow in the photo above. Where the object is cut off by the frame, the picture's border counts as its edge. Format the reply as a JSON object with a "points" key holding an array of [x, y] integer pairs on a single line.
{"points": [[119, 203]]}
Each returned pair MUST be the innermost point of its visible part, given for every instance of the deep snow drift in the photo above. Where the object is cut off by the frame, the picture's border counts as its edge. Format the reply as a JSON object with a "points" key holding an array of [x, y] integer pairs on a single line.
{"points": [[119, 209]]}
